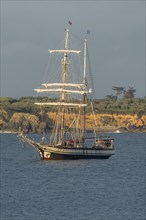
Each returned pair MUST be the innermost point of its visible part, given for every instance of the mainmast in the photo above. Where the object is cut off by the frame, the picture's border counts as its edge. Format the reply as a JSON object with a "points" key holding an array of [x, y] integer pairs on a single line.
{"points": [[85, 85], [85, 58]]}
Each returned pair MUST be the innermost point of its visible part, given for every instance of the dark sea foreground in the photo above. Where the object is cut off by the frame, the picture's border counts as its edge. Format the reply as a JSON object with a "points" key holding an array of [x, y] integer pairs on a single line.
{"points": [[112, 189]]}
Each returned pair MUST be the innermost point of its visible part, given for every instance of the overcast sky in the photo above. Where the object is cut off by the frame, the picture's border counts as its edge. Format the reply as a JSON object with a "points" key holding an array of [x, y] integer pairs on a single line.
{"points": [[116, 42]]}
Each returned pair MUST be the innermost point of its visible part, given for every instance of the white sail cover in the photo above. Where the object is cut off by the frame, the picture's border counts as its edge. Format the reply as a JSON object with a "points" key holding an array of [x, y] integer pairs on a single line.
{"points": [[79, 85], [60, 104], [64, 51], [61, 90]]}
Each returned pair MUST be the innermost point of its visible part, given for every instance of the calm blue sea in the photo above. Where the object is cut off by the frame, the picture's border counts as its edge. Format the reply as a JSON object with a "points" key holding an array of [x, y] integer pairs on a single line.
{"points": [[112, 189]]}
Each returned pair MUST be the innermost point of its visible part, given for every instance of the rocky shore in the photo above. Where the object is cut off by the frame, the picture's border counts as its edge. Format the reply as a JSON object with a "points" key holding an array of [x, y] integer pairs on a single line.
{"points": [[29, 123]]}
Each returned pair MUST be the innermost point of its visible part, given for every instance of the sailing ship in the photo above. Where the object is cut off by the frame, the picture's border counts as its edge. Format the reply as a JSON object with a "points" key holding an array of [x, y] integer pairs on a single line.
{"points": [[69, 138]]}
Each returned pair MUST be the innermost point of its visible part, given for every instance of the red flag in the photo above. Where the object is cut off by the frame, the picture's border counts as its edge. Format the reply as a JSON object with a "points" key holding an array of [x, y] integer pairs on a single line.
{"points": [[70, 23]]}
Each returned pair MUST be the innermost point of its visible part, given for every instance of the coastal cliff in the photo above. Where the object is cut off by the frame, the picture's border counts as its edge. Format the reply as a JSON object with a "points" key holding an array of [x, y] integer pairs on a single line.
{"points": [[104, 122], [111, 122]]}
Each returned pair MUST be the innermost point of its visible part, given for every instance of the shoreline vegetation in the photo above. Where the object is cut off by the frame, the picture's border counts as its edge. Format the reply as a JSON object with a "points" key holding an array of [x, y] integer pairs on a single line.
{"points": [[122, 115]]}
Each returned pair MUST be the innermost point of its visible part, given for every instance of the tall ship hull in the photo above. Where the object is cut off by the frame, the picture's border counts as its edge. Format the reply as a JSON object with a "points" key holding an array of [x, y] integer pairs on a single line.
{"points": [[74, 154], [48, 152]]}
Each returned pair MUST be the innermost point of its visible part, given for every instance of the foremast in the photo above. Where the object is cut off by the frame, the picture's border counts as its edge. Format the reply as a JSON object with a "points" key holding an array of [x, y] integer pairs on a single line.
{"points": [[65, 63], [64, 88]]}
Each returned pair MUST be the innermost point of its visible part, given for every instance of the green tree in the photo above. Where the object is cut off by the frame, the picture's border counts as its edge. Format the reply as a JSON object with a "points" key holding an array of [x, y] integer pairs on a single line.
{"points": [[111, 97], [118, 90], [129, 93]]}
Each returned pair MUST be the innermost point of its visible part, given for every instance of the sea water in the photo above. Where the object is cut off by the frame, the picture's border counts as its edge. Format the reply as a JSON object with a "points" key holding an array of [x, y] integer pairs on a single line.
{"points": [[110, 189]]}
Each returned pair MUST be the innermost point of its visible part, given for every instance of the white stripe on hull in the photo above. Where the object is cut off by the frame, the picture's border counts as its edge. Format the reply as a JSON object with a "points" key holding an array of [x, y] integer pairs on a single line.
{"points": [[52, 152], [77, 153]]}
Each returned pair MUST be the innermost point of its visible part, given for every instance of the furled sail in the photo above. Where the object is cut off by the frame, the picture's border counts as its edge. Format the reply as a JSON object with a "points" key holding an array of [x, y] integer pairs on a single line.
{"points": [[79, 85], [64, 51], [60, 104], [61, 90]]}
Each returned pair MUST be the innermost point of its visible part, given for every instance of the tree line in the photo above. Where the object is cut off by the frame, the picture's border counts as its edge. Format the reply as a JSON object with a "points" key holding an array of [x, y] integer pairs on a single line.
{"points": [[106, 105], [127, 93], [17, 114]]}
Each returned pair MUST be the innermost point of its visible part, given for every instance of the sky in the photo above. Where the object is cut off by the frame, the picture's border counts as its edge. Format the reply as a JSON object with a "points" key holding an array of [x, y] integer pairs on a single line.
{"points": [[116, 42]]}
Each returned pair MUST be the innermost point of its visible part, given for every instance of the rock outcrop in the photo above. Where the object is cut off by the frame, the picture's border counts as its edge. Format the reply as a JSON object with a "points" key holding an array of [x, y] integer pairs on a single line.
{"points": [[109, 122]]}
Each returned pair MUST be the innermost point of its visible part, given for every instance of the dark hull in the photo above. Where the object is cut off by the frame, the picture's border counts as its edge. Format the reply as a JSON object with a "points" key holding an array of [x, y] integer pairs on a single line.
{"points": [[49, 152], [55, 156], [74, 154]]}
